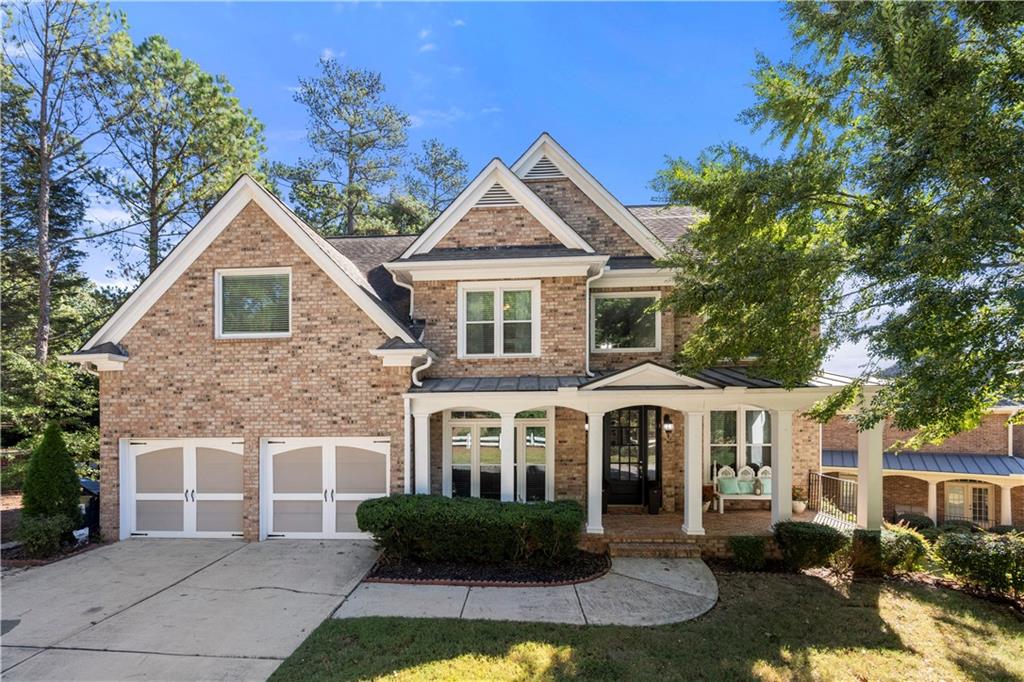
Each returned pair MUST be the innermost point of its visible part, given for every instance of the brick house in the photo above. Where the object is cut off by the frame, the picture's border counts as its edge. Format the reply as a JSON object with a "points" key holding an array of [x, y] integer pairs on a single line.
{"points": [[264, 380], [976, 476]]}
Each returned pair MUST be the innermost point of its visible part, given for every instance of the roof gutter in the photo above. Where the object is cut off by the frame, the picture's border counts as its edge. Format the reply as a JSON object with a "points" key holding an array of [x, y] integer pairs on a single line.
{"points": [[586, 333]]}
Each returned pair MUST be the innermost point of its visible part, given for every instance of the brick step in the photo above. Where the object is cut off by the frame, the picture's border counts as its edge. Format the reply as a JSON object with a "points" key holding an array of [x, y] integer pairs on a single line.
{"points": [[665, 537], [654, 550], [627, 509]]}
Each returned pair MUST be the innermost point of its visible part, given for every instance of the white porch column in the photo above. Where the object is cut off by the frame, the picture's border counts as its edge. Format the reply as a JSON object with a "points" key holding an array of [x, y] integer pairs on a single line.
{"points": [[422, 437], [1005, 508], [869, 477], [782, 465], [595, 471], [507, 444], [407, 449], [693, 473], [933, 501]]}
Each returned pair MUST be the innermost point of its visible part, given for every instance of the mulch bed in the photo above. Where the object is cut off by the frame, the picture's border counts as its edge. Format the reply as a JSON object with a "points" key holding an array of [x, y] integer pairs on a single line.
{"points": [[15, 556], [586, 566]]}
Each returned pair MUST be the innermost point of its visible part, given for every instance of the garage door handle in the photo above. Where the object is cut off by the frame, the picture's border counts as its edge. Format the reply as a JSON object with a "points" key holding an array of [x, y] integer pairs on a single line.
{"points": [[332, 494], [325, 494], [193, 494], [186, 494]]}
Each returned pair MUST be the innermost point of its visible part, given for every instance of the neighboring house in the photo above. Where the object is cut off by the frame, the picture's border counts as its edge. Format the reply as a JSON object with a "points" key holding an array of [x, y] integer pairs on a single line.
{"points": [[264, 380], [976, 476]]}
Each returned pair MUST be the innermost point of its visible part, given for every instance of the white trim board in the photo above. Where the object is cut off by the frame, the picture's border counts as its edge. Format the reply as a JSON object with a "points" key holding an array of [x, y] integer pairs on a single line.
{"points": [[647, 374], [504, 268], [208, 229], [496, 172], [545, 145]]}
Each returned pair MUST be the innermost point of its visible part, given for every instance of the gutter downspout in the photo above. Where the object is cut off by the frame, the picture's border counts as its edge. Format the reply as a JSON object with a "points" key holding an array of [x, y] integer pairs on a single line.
{"points": [[586, 365], [419, 368], [412, 293]]}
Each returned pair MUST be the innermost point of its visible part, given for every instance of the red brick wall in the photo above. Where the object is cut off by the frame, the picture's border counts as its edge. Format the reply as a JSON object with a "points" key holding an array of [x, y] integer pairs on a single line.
{"points": [[497, 226], [561, 333], [182, 383], [584, 216], [989, 438], [903, 491]]}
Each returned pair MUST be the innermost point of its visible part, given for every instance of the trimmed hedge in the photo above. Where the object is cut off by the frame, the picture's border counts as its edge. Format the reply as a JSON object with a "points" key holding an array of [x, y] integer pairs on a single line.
{"points": [[904, 549], [915, 521], [987, 560], [51, 484], [807, 545], [748, 552], [431, 528], [42, 536]]}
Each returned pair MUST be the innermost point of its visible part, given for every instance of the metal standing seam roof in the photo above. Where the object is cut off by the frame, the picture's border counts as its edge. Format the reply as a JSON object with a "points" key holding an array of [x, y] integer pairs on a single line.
{"points": [[492, 384], [966, 463]]}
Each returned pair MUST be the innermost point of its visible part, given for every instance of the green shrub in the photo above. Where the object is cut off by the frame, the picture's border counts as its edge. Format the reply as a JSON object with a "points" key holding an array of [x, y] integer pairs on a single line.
{"points": [[931, 534], [807, 545], [915, 521], [12, 474], [748, 552], [993, 562], [1003, 530], [472, 530], [51, 485], [960, 526], [904, 548], [866, 553], [41, 536]]}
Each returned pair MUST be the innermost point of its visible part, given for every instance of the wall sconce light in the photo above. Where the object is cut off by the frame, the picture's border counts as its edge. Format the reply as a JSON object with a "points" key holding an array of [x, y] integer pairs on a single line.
{"points": [[668, 427]]}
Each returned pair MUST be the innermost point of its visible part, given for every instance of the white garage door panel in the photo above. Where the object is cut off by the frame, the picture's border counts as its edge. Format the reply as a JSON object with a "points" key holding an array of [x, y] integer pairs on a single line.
{"points": [[181, 487], [311, 487]]}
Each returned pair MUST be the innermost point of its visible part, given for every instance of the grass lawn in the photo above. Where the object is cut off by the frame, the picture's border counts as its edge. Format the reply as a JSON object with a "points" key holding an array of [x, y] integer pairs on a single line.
{"points": [[766, 627]]}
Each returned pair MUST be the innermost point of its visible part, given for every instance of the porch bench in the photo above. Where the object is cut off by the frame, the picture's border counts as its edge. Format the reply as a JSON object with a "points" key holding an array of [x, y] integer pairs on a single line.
{"points": [[732, 486]]}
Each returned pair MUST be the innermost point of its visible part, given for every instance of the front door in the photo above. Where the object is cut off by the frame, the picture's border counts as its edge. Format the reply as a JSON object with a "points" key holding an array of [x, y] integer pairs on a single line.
{"points": [[632, 453]]}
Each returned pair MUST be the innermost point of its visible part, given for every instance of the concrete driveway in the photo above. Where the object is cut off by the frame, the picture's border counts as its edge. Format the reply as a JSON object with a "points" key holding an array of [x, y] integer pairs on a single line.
{"points": [[174, 609]]}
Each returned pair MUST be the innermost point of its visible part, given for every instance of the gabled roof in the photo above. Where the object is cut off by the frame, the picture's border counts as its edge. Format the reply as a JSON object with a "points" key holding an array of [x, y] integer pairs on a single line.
{"points": [[546, 152], [340, 269], [966, 463], [645, 375], [496, 185], [668, 223]]}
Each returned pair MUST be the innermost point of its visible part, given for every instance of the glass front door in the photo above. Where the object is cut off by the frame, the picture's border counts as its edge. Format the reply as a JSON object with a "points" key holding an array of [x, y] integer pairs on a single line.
{"points": [[632, 453]]}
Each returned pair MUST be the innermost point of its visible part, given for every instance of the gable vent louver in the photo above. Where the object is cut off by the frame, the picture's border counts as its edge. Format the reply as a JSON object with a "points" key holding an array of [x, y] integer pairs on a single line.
{"points": [[497, 195], [544, 169]]}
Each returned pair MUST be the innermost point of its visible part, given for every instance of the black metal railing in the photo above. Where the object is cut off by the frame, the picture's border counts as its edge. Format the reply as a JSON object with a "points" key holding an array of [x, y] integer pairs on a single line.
{"points": [[832, 496]]}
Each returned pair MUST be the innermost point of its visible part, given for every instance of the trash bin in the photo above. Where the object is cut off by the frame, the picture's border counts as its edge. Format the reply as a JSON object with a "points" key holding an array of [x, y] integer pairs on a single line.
{"points": [[89, 503], [654, 499]]}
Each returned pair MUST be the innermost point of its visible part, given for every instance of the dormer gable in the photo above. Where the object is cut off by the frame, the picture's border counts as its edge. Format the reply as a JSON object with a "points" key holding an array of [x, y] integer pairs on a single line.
{"points": [[552, 173], [498, 189]]}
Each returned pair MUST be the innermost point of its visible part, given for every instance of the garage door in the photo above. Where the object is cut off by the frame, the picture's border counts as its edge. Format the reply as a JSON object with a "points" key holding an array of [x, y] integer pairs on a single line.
{"points": [[312, 486], [182, 488]]}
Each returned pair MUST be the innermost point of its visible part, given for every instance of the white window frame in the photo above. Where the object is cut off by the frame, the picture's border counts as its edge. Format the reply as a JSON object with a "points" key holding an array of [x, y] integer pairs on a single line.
{"points": [[969, 487], [741, 439], [498, 288], [595, 295], [218, 302], [475, 424]]}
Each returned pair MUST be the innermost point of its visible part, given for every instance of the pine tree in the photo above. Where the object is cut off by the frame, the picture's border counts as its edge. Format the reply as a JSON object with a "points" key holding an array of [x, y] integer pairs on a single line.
{"points": [[51, 484]]}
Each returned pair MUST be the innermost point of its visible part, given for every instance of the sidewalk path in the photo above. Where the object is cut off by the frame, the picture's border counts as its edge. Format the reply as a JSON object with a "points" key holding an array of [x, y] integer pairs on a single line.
{"points": [[634, 592]]}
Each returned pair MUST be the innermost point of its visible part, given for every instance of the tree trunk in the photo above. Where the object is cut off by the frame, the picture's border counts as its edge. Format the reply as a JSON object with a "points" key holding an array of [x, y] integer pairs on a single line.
{"points": [[43, 211]]}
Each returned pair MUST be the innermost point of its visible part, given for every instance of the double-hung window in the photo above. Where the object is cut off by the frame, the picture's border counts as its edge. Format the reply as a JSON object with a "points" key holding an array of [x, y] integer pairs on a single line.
{"points": [[739, 438], [499, 319], [625, 322], [253, 303]]}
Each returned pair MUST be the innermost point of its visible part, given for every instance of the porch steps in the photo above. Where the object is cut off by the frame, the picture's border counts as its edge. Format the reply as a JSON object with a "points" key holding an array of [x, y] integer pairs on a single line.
{"points": [[653, 550]]}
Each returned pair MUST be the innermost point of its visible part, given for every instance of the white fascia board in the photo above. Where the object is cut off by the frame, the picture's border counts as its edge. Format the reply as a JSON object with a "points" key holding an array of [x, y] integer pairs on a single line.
{"points": [[206, 231], [545, 145], [623, 378], [638, 277], [400, 357], [518, 268], [496, 171], [103, 362]]}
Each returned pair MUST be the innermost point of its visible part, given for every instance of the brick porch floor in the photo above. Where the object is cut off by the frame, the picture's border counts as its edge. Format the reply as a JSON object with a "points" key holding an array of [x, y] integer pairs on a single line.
{"points": [[669, 525]]}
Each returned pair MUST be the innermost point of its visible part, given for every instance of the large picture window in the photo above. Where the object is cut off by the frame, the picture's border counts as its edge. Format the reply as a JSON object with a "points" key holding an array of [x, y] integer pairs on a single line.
{"points": [[739, 438], [499, 319], [625, 322], [253, 303]]}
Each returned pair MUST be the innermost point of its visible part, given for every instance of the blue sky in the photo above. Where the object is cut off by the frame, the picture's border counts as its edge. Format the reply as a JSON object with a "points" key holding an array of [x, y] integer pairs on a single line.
{"points": [[621, 86]]}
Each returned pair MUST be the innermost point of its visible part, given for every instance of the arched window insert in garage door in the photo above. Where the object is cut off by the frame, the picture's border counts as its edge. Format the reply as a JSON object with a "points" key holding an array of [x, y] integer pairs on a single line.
{"points": [[311, 487]]}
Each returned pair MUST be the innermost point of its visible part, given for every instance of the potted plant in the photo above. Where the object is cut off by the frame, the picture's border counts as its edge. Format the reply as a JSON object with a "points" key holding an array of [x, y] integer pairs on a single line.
{"points": [[799, 500], [707, 494]]}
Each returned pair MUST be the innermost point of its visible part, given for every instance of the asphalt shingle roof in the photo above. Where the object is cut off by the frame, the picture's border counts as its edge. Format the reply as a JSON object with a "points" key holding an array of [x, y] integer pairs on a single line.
{"points": [[966, 463], [667, 223], [497, 252]]}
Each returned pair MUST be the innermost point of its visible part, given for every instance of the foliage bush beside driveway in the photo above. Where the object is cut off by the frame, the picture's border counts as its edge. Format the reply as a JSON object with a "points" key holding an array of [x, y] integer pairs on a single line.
{"points": [[987, 560], [433, 528]]}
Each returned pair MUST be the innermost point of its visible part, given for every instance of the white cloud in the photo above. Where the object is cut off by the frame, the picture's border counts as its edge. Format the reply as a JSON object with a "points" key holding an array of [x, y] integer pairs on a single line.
{"points": [[459, 23], [424, 33], [436, 117], [427, 47], [491, 110], [109, 215], [299, 38], [328, 53], [22, 50], [455, 71], [292, 88]]}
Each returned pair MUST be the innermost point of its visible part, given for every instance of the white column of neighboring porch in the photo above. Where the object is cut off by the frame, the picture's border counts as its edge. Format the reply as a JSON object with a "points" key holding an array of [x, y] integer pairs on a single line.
{"points": [[782, 465], [595, 471], [869, 477], [933, 501], [693, 473], [421, 428], [1005, 506], [507, 444]]}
